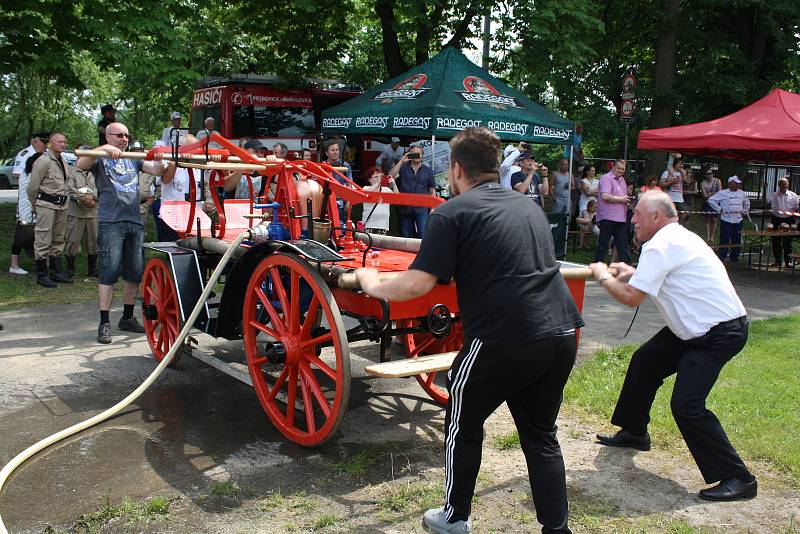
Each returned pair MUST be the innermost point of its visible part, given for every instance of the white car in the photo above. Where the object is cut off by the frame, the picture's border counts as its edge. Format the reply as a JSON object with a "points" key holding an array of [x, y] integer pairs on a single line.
{"points": [[7, 180]]}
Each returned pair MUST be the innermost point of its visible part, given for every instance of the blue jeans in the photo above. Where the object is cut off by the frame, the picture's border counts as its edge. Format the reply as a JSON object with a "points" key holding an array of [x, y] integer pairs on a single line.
{"points": [[729, 233], [119, 245], [413, 224]]}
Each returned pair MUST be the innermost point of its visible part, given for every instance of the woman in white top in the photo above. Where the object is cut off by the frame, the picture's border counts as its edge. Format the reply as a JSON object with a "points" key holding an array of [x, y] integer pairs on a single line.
{"points": [[672, 183], [376, 216], [589, 184]]}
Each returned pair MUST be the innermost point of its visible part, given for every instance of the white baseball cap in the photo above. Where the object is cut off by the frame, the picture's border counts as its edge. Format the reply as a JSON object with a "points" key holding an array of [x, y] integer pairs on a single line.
{"points": [[176, 115], [395, 139], [734, 179]]}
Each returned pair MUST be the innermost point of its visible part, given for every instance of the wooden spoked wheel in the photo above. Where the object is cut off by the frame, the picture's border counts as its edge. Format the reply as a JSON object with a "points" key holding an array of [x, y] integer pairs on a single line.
{"points": [[422, 344], [296, 348], [161, 317]]}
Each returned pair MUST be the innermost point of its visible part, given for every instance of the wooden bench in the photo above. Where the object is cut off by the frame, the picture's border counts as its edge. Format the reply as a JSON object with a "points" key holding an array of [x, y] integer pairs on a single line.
{"points": [[412, 366]]}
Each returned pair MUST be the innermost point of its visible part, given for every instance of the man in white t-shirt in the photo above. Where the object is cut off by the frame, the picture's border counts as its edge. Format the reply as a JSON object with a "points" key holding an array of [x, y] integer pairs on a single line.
{"points": [[731, 204], [706, 327], [168, 135]]}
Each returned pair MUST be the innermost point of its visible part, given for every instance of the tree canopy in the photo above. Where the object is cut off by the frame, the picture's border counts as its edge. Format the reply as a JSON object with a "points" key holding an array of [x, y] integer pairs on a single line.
{"points": [[695, 59]]}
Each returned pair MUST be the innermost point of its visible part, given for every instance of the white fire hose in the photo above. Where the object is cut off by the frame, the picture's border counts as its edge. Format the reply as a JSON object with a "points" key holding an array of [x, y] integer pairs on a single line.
{"points": [[114, 410]]}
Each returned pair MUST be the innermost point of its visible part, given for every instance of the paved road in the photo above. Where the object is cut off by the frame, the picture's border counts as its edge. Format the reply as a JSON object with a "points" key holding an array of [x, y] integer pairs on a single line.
{"points": [[196, 423], [8, 196]]}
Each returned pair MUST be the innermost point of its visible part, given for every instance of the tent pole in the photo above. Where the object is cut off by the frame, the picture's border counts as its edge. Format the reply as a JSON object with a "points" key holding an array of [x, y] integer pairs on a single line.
{"points": [[433, 147], [569, 205], [764, 200]]}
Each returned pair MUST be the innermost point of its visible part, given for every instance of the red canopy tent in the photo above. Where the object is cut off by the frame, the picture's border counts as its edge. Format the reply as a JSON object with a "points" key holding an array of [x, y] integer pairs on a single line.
{"points": [[767, 130]]}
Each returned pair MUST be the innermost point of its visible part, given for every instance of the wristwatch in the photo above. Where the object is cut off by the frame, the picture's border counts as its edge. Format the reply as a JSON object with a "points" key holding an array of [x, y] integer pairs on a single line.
{"points": [[605, 276]]}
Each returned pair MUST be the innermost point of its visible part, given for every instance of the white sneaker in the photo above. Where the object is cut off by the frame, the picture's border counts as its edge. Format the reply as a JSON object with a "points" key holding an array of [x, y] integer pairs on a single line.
{"points": [[17, 270], [435, 521]]}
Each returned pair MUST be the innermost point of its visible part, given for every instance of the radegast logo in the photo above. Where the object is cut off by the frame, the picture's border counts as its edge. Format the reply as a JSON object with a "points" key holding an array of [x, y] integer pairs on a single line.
{"points": [[418, 123], [337, 122], [479, 91], [456, 124], [371, 122], [557, 133], [409, 89], [508, 127]]}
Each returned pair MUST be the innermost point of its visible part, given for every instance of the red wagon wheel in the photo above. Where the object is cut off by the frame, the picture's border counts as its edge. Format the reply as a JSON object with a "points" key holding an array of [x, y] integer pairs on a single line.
{"points": [[289, 317], [161, 318], [424, 343]]}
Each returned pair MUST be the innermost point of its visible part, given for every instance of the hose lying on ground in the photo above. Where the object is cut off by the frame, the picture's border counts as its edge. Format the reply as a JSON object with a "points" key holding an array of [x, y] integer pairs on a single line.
{"points": [[114, 410]]}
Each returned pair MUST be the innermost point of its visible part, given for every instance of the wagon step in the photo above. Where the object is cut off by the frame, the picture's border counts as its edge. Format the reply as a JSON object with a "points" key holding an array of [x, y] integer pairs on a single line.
{"points": [[412, 366]]}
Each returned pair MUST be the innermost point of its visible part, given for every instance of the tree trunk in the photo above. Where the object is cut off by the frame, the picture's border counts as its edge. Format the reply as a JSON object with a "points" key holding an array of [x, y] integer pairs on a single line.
{"points": [[392, 57], [664, 77]]}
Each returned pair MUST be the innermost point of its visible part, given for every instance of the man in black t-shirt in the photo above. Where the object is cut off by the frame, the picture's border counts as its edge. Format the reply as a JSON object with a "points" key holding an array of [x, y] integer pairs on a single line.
{"points": [[519, 327], [527, 181], [109, 116]]}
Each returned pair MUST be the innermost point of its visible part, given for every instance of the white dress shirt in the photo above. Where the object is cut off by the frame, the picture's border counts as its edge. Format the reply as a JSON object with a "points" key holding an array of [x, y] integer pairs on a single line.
{"points": [[687, 281], [507, 168], [783, 202]]}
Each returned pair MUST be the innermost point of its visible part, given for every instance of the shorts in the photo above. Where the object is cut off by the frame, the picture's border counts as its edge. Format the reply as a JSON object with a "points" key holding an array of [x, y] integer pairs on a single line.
{"points": [[119, 246], [23, 237], [708, 211]]}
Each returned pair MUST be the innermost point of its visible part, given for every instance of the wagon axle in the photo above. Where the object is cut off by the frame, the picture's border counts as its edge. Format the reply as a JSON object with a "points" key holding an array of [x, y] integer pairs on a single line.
{"points": [[275, 352]]}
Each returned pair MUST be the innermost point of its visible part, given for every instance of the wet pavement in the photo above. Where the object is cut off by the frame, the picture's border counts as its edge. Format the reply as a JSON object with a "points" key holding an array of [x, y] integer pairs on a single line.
{"points": [[196, 425]]}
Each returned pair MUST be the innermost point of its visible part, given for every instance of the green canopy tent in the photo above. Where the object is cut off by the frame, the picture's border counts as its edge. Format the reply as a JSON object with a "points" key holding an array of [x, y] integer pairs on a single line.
{"points": [[441, 97]]}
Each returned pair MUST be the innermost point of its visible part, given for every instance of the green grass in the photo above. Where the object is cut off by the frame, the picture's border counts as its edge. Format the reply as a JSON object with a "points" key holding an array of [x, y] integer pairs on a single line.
{"points": [[153, 509], [506, 441], [355, 465], [22, 291], [277, 501], [413, 496], [226, 489], [324, 521], [757, 396]]}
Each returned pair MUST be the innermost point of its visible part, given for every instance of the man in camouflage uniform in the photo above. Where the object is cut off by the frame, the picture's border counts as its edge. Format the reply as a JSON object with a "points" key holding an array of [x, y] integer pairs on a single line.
{"points": [[81, 218]]}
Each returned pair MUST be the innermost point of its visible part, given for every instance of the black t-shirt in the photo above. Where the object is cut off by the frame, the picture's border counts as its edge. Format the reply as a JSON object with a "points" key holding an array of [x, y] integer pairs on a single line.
{"points": [[104, 122], [533, 188], [500, 253]]}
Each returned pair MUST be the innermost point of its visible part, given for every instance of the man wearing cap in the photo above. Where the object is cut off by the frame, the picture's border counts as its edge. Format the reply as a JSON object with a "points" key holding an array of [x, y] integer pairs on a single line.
{"points": [[23, 232], [120, 229], [706, 327], [413, 176], [509, 165], [527, 181], [168, 136], [783, 203], [109, 116], [731, 204], [81, 218], [47, 192], [390, 155]]}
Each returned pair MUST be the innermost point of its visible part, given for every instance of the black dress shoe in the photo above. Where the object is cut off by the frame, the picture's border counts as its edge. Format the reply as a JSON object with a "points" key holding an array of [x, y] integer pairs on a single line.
{"points": [[623, 438], [731, 489]]}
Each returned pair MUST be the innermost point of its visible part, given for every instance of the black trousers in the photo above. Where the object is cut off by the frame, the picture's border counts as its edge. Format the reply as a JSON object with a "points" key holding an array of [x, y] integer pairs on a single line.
{"points": [[530, 378], [697, 363], [781, 245], [617, 230]]}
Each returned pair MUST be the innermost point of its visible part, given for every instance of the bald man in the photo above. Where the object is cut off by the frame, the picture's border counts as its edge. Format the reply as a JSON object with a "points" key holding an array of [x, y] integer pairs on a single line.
{"points": [[706, 327]]}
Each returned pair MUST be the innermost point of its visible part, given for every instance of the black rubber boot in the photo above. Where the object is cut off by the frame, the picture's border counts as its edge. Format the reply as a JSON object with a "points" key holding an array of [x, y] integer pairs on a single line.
{"points": [[70, 267], [41, 274], [56, 272], [93, 266]]}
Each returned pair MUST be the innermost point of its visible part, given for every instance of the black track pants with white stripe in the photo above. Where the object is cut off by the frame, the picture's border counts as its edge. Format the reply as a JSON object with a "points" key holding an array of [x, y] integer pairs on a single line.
{"points": [[530, 378]]}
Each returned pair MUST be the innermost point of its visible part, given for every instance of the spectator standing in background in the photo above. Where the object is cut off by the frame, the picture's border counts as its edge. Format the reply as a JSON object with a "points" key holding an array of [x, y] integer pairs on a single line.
{"points": [[731, 204], [709, 187], [168, 136], [562, 184], [588, 187], [577, 146], [109, 116], [672, 181], [509, 165], [527, 181], [612, 208], [413, 176], [23, 231], [390, 155], [207, 129], [81, 218], [783, 203], [376, 216], [47, 192]]}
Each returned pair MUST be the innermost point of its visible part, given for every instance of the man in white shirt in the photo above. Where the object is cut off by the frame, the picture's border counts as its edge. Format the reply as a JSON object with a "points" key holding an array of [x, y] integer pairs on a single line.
{"points": [[510, 157], [783, 203], [25, 218], [390, 155], [168, 135], [706, 327], [731, 204]]}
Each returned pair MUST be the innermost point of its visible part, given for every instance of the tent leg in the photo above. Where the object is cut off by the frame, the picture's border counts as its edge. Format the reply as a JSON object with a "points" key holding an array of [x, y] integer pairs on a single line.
{"points": [[433, 149], [569, 204]]}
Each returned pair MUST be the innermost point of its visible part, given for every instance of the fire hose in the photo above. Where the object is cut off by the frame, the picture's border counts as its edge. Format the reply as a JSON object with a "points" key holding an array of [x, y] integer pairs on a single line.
{"points": [[255, 233]]}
